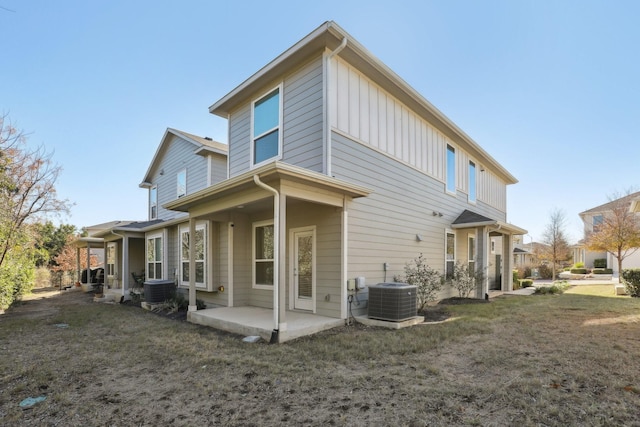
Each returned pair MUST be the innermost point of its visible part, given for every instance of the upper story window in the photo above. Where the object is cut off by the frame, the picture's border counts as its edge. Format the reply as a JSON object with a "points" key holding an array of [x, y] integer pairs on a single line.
{"points": [[263, 255], [597, 222], [472, 182], [182, 183], [451, 169], [266, 134], [153, 202]]}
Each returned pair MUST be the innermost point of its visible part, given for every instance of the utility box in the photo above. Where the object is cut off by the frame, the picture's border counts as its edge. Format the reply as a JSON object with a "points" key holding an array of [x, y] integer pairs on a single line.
{"points": [[392, 301], [156, 291]]}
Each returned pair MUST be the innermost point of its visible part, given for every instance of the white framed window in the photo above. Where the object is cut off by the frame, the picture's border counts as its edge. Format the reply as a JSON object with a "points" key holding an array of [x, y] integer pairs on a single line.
{"points": [[449, 253], [451, 169], [472, 182], [181, 183], [597, 222], [263, 255], [266, 123], [155, 256], [200, 255], [153, 202], [493, 246], [111, 260], [471, 263]]}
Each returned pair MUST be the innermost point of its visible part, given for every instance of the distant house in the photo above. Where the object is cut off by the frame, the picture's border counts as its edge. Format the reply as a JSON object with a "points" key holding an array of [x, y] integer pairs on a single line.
{"points": [[336, 174], [592, 219]]}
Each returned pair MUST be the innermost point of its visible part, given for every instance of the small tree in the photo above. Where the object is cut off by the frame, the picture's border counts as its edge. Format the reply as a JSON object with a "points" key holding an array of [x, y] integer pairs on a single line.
{"points": [[428, 281], [619, 232], [557, 245], [463, 280]]}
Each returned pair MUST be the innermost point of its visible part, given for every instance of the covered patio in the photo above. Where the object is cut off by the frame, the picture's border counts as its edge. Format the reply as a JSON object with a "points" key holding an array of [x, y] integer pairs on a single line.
{"points": [[257, 321]]}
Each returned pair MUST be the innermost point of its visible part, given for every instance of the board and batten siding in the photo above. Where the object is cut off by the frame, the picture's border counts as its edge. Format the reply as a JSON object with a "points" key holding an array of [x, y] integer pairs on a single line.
{"points": [[383, 226], [302, 99], [367, 113]]}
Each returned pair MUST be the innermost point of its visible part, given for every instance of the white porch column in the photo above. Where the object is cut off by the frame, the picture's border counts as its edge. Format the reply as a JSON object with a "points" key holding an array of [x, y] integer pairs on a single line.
{"points": [[282, 259], [88, 263], [344, 273], [483, 260], [507, 259], [125, 266], [192, 265]]}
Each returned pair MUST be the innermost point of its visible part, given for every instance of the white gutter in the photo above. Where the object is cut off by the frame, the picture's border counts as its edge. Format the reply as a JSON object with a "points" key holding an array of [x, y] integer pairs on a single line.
{"points": [[327, 109], [276, 256]]}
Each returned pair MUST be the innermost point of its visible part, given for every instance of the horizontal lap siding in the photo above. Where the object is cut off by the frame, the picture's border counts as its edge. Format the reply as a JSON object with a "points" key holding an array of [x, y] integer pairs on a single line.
{"points": [[328, 260], [178, 156], [383, 226], [303, 113], [364, 111], [218, 168], [239, 141]]}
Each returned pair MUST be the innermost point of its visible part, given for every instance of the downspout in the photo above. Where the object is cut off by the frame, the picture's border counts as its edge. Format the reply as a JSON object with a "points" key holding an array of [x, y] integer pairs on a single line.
{"points": [[276, 257], [327, 109]]}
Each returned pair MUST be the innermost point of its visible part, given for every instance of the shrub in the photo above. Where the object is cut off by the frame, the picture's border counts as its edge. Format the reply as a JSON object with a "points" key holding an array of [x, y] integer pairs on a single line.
{"points": [[558, 287], [578, 265], [631, 280], [600, 263], [463, 280], [602, 271], [526, 283], [578, 271], [427, 280], [515, 273], [545, 271]]}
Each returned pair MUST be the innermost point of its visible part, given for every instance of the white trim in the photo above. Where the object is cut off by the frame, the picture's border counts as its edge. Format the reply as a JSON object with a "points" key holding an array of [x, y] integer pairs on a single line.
{"points": [[163, 260], [253, 254], [344, 270], [292, 260], [150, 212], [178, 195], [455, 237], [184, 228], [230, 226], [279, 128]]}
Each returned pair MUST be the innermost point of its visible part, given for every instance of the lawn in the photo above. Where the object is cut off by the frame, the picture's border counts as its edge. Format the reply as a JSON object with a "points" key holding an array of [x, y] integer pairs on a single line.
{"points": [[569, 359]]}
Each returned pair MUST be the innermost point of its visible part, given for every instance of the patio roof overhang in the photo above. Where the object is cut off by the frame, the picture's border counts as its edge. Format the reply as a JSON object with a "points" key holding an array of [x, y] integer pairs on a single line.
{"points": [[88, 242], [276, 171], [470, 219]]}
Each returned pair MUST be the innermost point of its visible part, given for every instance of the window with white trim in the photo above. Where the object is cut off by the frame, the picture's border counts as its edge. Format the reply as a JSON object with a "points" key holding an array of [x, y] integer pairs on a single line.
{"points": [[472, 182], [199, 258], [154, 256], [472, 254], [263, 254], [153, 202], [451, 169], [597, 222], [266, 135], [181, 183], [450, 253], [111, 260]]}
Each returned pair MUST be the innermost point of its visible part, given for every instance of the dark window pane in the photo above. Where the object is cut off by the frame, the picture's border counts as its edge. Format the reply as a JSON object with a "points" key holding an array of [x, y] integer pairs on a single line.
{"points": [[266, 147]]}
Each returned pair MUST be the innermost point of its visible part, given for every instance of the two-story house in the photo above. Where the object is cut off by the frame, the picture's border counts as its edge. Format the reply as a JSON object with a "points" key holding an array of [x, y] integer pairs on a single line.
{"points": [[156, 248], [592, 220], [337, 170]]}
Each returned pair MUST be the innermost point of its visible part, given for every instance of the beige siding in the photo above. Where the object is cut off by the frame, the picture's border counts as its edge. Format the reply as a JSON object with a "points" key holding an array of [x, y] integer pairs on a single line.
{"points": [[383, 226], [365, 112]]}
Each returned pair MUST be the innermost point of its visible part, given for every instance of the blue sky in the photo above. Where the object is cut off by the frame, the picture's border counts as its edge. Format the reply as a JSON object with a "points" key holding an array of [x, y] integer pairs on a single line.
{"points": [[551, 89]]}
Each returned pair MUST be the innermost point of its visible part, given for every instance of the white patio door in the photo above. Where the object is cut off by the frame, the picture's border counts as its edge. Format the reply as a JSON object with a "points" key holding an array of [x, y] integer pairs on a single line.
{"points": [[304, 267]]}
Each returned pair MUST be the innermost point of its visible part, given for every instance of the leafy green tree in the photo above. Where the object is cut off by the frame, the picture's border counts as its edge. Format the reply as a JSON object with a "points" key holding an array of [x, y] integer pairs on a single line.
{"points": [[51, 241]]}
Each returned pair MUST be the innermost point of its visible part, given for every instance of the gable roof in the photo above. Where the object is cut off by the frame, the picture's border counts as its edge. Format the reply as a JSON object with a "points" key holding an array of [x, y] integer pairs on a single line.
{"points": [[631, 199], [330, 35], [469, 219], [203, 145]]}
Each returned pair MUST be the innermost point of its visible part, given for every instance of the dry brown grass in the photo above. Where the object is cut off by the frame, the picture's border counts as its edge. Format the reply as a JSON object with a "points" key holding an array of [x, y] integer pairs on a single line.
{"points": [[567, 359]]}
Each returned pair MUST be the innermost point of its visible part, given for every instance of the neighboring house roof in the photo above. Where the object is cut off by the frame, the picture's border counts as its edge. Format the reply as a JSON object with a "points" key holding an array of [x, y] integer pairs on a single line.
{"points": [[468, 219], [202, 145], [93, 230], [520, 251], [632, 199], [330, 36], [274, 169]]}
